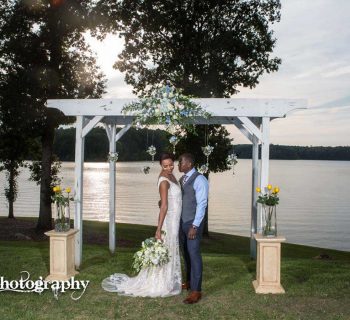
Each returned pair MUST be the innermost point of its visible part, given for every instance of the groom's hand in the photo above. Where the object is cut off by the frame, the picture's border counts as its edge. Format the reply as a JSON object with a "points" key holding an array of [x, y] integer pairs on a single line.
{"points": [[192, 233]]}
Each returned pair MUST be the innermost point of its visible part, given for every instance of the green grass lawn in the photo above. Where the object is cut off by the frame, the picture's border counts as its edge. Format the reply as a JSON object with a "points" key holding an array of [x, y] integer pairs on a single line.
{"points": [[315, 289]]}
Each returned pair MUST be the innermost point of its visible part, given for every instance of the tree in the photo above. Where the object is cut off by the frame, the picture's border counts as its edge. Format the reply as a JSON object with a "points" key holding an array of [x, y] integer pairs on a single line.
{"points": [[17, 119], [207, 48], [45, 38], [14, 147]]}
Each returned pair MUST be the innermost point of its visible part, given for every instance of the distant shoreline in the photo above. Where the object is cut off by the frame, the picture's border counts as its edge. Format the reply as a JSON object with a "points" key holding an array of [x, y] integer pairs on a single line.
{"points": [[132, 147]]}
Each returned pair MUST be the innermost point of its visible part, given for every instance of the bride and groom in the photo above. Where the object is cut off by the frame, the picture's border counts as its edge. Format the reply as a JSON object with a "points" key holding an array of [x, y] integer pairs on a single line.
{"points": [[181, 212]]}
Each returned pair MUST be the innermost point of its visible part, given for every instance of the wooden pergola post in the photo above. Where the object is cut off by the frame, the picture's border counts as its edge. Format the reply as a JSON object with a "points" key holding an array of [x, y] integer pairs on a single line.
{"points": [[254, 207], [78, 189], [83, 126], [264, 164], [111, 132]]}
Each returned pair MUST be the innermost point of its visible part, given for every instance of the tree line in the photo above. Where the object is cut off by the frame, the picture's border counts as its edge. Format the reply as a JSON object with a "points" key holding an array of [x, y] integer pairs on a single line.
{"points": [[133, 145], [283, 152]]}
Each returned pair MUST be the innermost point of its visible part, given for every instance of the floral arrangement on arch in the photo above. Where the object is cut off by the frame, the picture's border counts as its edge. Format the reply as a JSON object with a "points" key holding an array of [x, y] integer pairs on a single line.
{"points": [[165, 106], [113, 156]]}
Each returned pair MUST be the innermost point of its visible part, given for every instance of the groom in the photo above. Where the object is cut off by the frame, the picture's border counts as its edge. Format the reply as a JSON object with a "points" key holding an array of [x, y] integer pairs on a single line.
{"points": [[194, 202]]}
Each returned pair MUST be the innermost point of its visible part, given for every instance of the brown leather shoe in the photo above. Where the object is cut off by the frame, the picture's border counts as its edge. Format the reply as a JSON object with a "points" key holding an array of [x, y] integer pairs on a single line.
{"points": [[194, 297], [186, 286]]}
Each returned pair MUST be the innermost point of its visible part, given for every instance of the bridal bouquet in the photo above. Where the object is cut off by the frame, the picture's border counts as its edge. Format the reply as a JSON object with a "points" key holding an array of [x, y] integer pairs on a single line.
{"points": [[153, 253]]}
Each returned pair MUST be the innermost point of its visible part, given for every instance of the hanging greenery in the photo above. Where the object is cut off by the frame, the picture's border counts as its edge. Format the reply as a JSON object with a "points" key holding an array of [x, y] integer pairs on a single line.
{"points": [[174, 141], [231, 161], [113, 156], [207, 150], [152, 151], [204, 168]]}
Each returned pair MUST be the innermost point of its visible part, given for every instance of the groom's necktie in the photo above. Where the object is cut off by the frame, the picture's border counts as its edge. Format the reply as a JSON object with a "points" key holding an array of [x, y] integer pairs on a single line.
{"points": [[184, 180]]}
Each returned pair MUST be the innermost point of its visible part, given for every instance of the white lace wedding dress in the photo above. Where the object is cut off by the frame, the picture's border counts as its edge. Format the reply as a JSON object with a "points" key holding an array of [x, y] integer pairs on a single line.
{"points": [[160, 281]]}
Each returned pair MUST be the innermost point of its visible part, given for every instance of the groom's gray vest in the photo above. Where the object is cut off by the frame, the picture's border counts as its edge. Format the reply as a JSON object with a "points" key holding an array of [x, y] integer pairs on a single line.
{"points": [[189, 202]]}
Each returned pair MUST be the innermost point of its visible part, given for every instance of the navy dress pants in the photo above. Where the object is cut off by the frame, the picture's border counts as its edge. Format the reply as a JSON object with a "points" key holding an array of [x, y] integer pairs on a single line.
{"points": [[192, 255]]}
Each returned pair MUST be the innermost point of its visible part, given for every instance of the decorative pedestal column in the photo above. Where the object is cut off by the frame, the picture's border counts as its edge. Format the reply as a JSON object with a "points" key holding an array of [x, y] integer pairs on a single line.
{"points": [[62, 252], [268, 265]]}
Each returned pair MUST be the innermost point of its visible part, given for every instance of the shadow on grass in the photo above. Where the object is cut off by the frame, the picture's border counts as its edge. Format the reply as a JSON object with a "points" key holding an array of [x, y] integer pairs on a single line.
{"points": [[44, 249], [95, 258]]}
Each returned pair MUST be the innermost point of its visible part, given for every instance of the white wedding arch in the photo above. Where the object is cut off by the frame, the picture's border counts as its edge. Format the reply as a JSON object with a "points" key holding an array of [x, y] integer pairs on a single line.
{"points": [[251, 116]]}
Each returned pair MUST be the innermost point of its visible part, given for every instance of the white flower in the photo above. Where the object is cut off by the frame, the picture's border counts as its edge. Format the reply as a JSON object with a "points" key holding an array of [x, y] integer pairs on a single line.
{"points": [[203, 169], [151, 150], [153, 253], [113, 156], [231, 160], [207, 150]]}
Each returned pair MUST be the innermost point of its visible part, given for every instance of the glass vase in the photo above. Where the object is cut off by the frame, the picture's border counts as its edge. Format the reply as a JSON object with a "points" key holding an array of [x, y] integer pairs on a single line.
{"points": [[270, 221], [62, 218]]}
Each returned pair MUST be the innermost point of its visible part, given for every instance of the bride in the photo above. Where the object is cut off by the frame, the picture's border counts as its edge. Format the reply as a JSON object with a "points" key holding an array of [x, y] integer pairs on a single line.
{"points": [[160, 281]]}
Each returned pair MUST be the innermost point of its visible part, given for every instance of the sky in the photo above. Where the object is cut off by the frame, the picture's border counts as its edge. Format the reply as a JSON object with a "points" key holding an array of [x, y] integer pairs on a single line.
{"points": [[313, 41]]}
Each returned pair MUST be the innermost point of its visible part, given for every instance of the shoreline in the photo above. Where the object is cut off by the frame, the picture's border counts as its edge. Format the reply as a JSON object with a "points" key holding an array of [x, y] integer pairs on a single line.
{"points": [[23, 228]]}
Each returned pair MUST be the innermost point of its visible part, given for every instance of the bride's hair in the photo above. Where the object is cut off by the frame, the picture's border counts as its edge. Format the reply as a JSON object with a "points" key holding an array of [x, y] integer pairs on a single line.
{"points": [[165, 156]]}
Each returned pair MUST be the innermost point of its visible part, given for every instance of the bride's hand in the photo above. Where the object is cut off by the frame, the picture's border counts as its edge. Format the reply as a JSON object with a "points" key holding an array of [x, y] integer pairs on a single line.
{"points": [[158, 234]]}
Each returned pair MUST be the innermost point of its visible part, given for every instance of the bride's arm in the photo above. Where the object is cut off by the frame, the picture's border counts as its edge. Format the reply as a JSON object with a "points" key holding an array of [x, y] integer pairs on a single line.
{"points": [[163, 191]]}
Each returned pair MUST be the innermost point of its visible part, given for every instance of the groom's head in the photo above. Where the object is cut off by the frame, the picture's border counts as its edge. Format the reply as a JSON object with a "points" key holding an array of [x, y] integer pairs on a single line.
{"points": [[186, 162]]}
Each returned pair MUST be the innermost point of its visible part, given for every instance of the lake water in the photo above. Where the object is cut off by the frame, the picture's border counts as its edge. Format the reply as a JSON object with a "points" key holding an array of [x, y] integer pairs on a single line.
{"points": [[314, 198]]}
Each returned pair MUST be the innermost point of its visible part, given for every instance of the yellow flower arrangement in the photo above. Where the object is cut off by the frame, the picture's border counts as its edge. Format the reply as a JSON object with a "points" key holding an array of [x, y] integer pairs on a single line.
{"points": [[269, 202], [61, 208], [270, 198]]}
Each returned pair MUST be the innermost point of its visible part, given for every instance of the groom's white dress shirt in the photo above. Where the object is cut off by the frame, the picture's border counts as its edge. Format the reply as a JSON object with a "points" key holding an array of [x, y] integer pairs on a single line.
{"points": [[201, 188]]}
